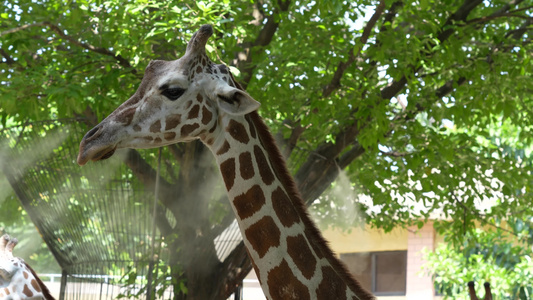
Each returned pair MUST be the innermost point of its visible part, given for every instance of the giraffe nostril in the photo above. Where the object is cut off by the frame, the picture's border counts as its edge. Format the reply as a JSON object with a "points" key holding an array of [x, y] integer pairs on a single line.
{"points": [[92, 132]]}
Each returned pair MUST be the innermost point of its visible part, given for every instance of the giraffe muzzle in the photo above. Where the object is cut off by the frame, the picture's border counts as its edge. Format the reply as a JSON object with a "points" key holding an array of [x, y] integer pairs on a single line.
{"points": [[88, 154], [91, 147]]}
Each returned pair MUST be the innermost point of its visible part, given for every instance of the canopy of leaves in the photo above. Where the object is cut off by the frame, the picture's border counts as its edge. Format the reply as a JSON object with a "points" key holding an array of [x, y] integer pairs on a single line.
{"points": [[463, 73]]}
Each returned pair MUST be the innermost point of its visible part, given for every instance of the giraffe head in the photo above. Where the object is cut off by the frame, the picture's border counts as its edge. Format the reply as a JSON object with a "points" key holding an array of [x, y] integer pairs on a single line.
{"points": [[7, 269], [17, 279], [177, 101]]}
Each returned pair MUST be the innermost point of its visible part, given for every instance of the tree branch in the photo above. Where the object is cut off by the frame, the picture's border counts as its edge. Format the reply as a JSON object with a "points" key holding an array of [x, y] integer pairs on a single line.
{"points": [[162, 222], [480, 217], [490, 18], [507, 7], [9, 59], [245, 58], [460, 15], [23, 27], [335, 82], [121, 60], [395, 153], [288, 145], [350, 155]]}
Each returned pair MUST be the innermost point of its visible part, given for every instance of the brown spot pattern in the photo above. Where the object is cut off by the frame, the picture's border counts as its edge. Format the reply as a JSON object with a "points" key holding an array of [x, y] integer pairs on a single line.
{"points": [[193, 113], [136, 128], [262, 165], [199, 98], [157, 140], [282, 284], [6, 290], [126, 115], [301, 255], [188, 104], [249, 203], [172, 121], [238, 132], [284, 208], [224, 148], [36, 285], [213, 128], [26, 291], [206, 115], [25, 274], [198, 69], [222, 69], [332, 286], [246, 166], [169, 135], [156, 127], [263, 235], [187, 129], [227, 168]]}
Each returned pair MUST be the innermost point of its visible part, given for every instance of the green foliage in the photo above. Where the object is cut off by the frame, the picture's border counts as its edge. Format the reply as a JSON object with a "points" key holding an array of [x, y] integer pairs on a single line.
{"points": [[500, 255], [135, 285]]}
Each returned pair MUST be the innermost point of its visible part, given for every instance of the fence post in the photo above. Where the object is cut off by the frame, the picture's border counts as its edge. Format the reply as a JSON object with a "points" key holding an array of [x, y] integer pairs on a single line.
{"points": [[238, 291], [63, 286]]}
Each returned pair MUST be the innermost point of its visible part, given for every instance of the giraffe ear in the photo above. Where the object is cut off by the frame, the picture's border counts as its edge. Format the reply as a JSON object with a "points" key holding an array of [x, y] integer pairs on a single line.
{"points": [[236, 102]]}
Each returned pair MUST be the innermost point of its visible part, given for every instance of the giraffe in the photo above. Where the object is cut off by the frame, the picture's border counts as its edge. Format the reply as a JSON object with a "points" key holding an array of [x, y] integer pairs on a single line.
{"points": [[472, 291], [192, 98], [17, 279]]}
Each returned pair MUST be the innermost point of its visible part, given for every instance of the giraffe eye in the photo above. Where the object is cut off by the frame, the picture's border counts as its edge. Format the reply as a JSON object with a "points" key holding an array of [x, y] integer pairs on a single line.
{"points": [[173, 93]]}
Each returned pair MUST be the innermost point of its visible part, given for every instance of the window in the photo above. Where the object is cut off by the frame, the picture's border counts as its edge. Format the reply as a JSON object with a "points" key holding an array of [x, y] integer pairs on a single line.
{"points": [[382, 273]]}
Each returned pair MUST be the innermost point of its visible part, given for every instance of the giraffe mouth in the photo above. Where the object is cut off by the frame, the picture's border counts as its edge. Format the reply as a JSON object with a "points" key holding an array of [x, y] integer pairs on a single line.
{"points": [[85, 156], [106, 154]]}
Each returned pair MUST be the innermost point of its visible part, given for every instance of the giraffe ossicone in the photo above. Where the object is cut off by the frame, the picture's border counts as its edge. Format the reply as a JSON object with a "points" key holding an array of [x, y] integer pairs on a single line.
{"points": [[17, 278], [193, 98]]}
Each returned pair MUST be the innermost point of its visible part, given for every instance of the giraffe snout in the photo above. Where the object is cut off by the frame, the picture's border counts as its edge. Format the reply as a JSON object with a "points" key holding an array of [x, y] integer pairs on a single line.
{"points": [[83, 154], [94, 146]]}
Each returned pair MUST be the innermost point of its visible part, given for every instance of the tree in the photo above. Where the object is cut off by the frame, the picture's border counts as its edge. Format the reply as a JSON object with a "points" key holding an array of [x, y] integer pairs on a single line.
{"points": [[500, 255], [418, 104]]}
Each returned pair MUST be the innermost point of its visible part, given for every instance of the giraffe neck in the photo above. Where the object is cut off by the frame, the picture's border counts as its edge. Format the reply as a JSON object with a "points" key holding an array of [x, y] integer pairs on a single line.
{"points": [[23, 283], [288, 253]]}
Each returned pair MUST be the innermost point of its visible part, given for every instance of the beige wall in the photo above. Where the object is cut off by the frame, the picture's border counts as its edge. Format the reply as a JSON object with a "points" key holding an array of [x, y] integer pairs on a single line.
{"points": [[414, 240], [366, 240]]}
